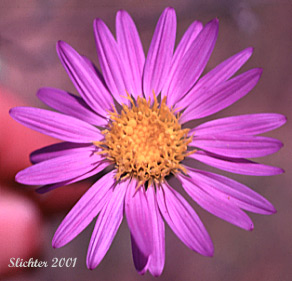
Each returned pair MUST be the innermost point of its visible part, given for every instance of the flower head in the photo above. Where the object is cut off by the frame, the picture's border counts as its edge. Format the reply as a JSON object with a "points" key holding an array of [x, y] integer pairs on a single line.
{"points": [[130, 123]]}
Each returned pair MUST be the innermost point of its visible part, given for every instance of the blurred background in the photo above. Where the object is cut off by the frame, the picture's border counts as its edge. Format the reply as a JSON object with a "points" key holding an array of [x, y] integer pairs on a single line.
{"points": [[29, 31]]}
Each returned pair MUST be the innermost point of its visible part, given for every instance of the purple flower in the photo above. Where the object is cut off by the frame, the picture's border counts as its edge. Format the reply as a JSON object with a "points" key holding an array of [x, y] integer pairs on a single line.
{"points": [[127, 123]]}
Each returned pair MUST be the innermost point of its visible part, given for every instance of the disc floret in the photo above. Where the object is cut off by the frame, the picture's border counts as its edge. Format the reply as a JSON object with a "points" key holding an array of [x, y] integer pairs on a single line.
{"points": [[145, 141]]}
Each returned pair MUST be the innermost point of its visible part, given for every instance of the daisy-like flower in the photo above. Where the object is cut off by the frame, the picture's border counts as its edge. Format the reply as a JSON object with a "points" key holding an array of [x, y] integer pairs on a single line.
{"points": [[129, 124]]}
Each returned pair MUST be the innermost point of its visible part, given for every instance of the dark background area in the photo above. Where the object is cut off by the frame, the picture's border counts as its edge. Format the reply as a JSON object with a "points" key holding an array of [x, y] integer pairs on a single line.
{"points": [[29, 31]]}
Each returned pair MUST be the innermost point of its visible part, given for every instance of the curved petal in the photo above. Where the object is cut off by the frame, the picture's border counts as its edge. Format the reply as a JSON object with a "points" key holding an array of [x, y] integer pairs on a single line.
{"points": [[60, 169], [249, 124], [237, 146], [222, 96], [219, 74], [141, 261], [85, 79], [84, 211], [222, 209], [56, 150], [113, 69], [160, 53], [139, 217], [98, 168], [107, 225], [236, 165], [132, 51], [192, 64], [183, 220], [186, 41], [71, 105], [228, 190], [157, 257], [56, 125]]}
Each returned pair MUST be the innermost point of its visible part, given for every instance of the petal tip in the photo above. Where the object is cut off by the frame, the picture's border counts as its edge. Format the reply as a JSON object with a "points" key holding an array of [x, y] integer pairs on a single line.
{"points": [[271, 210], [60, 45], [12, 112], [19, 178], [90, 264], [210, 252], [169, 8], [55, 243], [249, 50], [250, 226], [97, 22], [122, 12], [214, 22]]}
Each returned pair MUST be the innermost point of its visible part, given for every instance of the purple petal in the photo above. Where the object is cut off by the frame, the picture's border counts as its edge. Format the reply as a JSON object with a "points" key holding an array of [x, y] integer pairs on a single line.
{"points": [[56, 125], [228, 190], [131, 50], [249, 124], [98, 168], [115, 73], [219, 74], [237, 146], [186, 41], [157, 257], [84, 211], [139, 217], [107, 225], [183, 220], [222, 209], [60, 169], [71, 105], [94, 68], [192, 64], [160, 53], [56, 150], [140, 260], [221, 96], [85, 79], [236, 165], [188, 38]]}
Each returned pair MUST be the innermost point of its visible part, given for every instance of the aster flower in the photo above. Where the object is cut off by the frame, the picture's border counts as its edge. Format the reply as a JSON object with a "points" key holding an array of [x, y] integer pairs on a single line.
{"points": [[127, 123]]}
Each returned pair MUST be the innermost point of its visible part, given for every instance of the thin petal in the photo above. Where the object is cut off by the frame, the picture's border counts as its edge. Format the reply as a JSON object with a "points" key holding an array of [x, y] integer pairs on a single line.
{"points": [[249, 124], [157, 257], [219, 74], [141, 261], [228, 190], [98, 168], [188, 38], [139, 217], [222, 209], [56, 150], [237, 146], [56, 125], [95, 69], [131, 50], [85, 79], [221, 96], [183, 220], [84, 211], [107, 225], [60, 169], [236, 165], [192, 63], [160, 53], [186, 41], [71, 105], [115, 74]]}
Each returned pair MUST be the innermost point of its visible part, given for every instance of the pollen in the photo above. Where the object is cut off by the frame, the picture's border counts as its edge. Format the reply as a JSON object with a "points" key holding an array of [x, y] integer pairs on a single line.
{"points": [[145, 141]]}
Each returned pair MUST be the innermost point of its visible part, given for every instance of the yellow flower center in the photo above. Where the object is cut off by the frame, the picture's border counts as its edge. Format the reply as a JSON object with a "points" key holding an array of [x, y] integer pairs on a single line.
{"points": [[145, 141]]}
